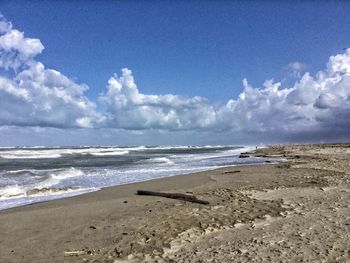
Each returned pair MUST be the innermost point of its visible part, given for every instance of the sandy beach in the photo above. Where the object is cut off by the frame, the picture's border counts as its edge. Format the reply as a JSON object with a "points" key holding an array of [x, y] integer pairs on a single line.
{"points": [[295, 211]]}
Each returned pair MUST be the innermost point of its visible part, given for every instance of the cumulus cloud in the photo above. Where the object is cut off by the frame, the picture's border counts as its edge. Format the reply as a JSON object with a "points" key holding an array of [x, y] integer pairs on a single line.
{"points": [[15, 49], [317, 103], [128, 108], [37, 96]]}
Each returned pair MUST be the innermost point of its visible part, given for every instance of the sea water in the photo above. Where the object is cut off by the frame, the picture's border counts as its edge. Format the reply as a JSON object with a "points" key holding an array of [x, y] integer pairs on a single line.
{"points": [[34, 174]]}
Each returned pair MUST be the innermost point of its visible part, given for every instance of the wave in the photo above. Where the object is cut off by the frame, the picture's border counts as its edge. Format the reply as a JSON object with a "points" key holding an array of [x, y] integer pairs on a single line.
{"points": [[67, 173], [109, 153], [16, 191], [159, 160], [52, 153], [46, 185], [58, 153], [21, 171], [50, 191], [28, 155], [52, 178], [11, 191]]}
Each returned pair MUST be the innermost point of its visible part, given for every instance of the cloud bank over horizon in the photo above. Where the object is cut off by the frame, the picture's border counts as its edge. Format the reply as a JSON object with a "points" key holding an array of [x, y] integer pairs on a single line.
{"points": [[32, 95]]}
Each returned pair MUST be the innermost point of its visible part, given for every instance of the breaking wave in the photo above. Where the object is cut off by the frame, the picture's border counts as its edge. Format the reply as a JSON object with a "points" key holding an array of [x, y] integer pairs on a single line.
{"points": [[159, 160], [39, 153], [16, 191]]}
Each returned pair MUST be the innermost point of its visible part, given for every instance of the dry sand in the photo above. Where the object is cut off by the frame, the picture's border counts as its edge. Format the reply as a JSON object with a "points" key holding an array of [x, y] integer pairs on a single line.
{"points": [[297, 211]]}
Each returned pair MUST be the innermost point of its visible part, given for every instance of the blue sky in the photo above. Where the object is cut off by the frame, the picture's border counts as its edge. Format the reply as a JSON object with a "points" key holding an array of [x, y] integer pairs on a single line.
{"points": [[183, 48]]}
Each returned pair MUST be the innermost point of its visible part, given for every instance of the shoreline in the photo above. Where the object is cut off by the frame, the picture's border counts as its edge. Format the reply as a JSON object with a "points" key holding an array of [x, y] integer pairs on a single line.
{"points": [[132, 185], [38, 192], [256, 212]]}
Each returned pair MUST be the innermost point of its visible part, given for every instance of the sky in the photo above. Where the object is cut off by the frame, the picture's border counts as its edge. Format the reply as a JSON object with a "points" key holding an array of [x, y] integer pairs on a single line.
{"points": [[174, 72]]}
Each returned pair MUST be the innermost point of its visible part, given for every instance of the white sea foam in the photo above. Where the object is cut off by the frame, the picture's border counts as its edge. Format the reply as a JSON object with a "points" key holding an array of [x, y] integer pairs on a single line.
{"points": [[109, 153], [19, 171], [67, 173], [11, 191], [55, 178], [57, 153], [159, 160], [16, 191], [42, 196], [42, 187], [47, 183], [226, 153], [28, 154], [53, 191]]}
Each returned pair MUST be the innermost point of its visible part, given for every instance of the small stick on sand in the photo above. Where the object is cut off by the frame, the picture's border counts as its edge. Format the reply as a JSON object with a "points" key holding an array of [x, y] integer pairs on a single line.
{"points": [[75, 253], [188, 198], [231, 172]]}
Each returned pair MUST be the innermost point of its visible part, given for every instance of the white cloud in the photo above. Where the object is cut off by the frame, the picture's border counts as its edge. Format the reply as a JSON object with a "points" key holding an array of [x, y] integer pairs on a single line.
{"points": [[311, 105], [15, 49], [130, 109], [37, 96]]}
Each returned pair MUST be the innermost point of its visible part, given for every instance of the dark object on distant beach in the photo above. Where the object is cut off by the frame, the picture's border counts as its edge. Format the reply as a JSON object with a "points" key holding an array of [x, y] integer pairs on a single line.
{"points": [[244, 155], [188, 198], [232, 172]]}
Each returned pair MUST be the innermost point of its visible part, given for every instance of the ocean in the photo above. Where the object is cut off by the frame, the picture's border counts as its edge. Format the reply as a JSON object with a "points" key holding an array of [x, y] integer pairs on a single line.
{"points": [[35, 174]]}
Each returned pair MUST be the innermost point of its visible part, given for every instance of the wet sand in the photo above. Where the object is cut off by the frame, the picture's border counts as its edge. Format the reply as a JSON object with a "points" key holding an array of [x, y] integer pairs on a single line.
{"points": [[297, 211]]}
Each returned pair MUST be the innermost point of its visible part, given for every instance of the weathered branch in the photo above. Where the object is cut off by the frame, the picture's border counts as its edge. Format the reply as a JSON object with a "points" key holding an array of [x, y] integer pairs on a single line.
{"points": [[188, 198], [231, 172], [75, 253]]}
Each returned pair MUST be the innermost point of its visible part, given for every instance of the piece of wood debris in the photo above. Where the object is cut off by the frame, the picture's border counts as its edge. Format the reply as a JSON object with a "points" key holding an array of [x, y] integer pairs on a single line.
{"points": [[74, 253], [232, 172], [183, 197]]}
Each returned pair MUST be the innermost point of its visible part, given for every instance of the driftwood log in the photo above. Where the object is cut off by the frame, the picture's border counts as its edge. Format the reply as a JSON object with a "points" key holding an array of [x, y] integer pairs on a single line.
{"points": [[183, 197]]}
